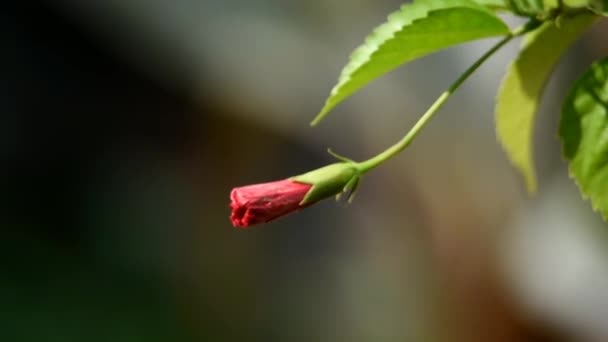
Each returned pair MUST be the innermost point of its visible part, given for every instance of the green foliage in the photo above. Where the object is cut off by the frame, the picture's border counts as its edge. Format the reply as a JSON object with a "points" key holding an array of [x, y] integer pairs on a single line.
{"points": [[584, 134], [519, 96], [529, 7], [416, 30], [599, 6], [576, 3], [428, 26], [550, 4], [497, 5]]}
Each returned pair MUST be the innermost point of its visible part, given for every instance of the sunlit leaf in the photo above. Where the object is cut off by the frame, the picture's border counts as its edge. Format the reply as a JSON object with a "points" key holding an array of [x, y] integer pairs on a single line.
{"points": [[519, 96], [416, 30], [584, 134]]}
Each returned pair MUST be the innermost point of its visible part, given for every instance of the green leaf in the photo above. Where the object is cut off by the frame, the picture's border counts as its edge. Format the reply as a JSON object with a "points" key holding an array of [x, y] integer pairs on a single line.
{"points": [[416, 30], [549, 5], [576, 3], [584, 134], [520, 93], [599, 7], [494, 4], [531, 8]]}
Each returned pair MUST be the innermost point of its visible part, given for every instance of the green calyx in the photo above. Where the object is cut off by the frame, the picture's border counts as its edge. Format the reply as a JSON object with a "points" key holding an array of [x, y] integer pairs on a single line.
{"points": [[330, 180]]}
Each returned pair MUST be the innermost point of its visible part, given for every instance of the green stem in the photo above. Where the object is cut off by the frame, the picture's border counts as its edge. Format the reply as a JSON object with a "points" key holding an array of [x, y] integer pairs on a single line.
{"points": [[373, 162]]}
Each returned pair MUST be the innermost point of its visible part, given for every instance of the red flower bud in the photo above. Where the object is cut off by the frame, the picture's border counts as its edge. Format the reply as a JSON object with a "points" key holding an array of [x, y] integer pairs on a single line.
{"points": [[260, 203]]}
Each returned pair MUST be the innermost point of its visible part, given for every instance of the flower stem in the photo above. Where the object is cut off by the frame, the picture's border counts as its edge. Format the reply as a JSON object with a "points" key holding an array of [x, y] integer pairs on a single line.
{"points": [[373, 162]]}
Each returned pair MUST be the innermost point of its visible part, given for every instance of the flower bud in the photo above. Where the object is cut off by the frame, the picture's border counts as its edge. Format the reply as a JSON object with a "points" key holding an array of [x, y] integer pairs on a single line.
{"points": [[261, 203]]}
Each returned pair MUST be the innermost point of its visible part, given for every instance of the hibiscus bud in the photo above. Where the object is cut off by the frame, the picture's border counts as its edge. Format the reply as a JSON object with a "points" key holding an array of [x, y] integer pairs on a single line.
{"points": [[260, 203]]}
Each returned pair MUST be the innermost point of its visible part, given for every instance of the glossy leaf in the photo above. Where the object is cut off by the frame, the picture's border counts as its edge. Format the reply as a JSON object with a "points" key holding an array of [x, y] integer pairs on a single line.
{"points": [[416, 30], [520, 93], [584, 134]]}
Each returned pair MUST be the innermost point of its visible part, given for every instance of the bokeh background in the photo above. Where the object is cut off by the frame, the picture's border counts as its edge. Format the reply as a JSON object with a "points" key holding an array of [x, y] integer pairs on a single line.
{"points": [[125, 123]]}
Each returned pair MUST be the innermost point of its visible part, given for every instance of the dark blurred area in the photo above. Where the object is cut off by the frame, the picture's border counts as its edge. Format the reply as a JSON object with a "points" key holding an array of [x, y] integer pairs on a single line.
{"points": [[116, 191], [124, 125]]}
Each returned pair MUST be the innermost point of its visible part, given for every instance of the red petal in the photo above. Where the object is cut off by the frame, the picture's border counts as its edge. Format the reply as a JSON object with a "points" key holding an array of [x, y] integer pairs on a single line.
{"points": [[260, 203]]}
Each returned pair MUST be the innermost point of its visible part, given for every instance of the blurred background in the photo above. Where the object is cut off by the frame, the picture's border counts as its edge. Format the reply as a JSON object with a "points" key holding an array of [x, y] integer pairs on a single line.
{"points": [[125, 123]]}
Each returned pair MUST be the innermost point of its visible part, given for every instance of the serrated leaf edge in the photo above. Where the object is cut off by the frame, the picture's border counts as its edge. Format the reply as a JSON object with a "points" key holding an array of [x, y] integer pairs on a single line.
{"points": [[531, 184], [370, 43], [571, 175]]}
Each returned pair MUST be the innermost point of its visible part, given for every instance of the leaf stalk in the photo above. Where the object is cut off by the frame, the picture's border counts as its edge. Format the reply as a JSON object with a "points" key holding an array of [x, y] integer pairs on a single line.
{"points": [[395, 149]]}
